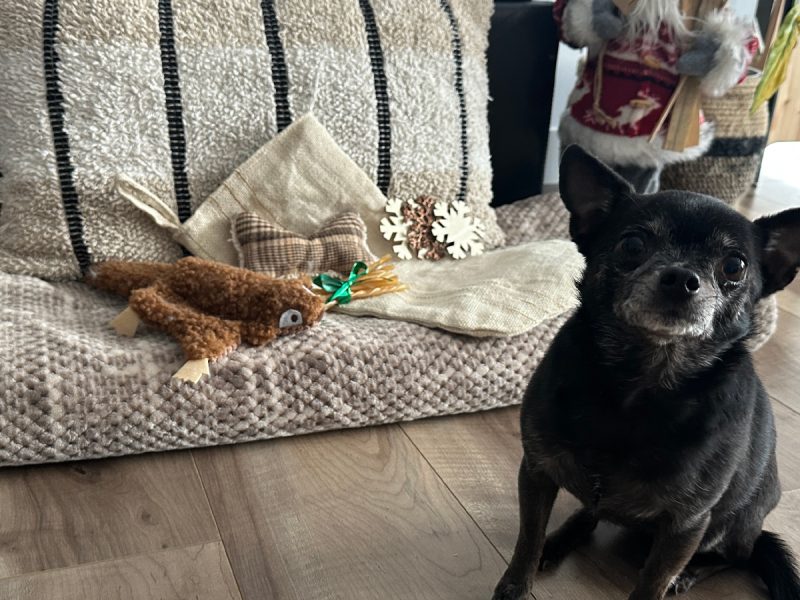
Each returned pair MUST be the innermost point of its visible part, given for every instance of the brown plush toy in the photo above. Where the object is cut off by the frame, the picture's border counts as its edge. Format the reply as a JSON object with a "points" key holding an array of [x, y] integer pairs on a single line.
{"points": [[209, 307]]}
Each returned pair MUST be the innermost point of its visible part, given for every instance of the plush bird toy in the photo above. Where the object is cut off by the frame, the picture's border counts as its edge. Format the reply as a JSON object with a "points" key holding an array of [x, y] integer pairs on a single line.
{"points": [[641, 55], [211, 308]]}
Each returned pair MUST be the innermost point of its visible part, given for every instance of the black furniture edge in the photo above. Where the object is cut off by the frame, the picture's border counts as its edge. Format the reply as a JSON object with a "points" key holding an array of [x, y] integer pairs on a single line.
{"points": [[523, 47]]}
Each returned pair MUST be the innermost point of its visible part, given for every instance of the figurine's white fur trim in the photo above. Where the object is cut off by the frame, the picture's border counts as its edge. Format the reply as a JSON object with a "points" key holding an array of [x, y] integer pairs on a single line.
{"points": [[648, 16], [622, 150], [577, 25], [731, 58]]}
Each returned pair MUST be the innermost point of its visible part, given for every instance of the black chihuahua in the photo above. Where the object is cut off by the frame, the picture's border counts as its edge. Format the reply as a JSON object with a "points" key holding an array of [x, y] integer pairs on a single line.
{"points": [[647, 407]]}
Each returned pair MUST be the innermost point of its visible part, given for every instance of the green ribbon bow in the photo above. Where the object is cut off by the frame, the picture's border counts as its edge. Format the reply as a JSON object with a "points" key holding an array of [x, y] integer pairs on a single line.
{"points": [[341, 288]]}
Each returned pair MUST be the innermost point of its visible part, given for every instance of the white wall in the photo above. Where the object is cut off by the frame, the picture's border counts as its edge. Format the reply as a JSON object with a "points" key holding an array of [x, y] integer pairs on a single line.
{"points": [[566, 68]]}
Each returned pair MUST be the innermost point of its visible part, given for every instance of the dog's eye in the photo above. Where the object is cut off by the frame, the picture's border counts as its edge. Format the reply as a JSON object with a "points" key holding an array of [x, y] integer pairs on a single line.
{"points": [[290, 318], [733, 268], [633, 245]]}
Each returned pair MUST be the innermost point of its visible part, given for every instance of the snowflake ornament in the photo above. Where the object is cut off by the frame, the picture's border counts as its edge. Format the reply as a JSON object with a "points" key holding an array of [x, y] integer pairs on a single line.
{"points": [[456, 228], [395, 229]]}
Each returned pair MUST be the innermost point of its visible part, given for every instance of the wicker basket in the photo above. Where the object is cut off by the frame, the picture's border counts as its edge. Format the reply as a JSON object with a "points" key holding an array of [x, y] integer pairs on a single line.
{"points": [[730, 166]]}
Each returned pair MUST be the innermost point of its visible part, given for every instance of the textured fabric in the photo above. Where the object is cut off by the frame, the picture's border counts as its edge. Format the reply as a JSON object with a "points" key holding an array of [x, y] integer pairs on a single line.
{"points": [[178, 93], [729, 167], [275, 251], [71, 388], [540, 217], [503, 292], [298, 180]]}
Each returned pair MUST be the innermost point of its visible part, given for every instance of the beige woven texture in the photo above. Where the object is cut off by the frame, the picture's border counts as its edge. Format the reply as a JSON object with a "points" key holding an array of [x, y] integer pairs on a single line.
{"points": [[725, 177], [71, 388], [503, 292]]}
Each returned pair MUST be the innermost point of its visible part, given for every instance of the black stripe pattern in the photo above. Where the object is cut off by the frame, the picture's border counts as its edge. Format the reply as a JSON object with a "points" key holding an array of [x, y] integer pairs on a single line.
{"points": [[55, 109], [462, 100], [174, 108], [280, 73], [381, 97], [746, 146]]}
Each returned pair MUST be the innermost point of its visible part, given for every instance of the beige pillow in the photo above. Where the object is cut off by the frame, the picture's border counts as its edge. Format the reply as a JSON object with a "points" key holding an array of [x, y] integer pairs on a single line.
{"points": [[269, 249], [178, 99]]}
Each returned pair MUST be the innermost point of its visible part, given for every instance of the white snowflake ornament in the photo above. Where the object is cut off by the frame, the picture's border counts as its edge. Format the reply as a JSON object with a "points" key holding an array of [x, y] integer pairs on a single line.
{"points": [[395, 229], [456, 228]]}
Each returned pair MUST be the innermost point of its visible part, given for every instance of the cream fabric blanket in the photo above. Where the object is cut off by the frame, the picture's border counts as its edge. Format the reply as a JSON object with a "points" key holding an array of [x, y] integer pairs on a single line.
{"points": [[301, 179], [504, 292]]}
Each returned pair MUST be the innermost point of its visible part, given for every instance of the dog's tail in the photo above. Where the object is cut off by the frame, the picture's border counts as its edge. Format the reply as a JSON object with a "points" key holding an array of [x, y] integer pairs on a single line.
{"points": [[772, 560]]}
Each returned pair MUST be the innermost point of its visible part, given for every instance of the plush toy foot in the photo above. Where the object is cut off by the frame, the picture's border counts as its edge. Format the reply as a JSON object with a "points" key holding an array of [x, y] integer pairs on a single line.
{"points": [[126, 322], [193, 370]]}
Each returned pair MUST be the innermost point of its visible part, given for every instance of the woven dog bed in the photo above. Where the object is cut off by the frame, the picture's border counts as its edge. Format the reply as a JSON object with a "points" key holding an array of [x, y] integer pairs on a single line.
{"points": [[72, 389]]}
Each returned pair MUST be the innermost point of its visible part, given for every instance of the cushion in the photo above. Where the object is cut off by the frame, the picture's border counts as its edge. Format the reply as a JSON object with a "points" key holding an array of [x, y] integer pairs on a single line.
{"points": [[178, 94], [275, 251], [71, 388]]}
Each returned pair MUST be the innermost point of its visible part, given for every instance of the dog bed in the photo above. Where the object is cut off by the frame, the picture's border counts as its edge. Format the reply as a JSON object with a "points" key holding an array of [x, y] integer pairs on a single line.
{"points": [[71, 390]]}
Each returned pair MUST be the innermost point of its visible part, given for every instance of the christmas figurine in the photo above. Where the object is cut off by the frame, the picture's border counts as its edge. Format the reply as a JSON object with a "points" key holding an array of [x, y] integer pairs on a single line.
{"points": [[635, 63]]}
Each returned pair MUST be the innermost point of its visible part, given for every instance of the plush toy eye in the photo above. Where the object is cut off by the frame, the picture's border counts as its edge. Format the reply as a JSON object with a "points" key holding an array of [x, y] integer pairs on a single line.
{"points": [[733, 268], [290, 318], [633, 245]]}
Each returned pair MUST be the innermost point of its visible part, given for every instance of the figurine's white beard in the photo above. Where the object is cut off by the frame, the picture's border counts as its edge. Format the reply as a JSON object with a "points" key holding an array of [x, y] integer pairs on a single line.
{"points": [[648, 16]]}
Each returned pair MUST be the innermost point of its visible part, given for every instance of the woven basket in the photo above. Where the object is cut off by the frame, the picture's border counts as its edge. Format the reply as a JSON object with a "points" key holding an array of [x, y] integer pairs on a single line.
{"points": [[730, 166]]}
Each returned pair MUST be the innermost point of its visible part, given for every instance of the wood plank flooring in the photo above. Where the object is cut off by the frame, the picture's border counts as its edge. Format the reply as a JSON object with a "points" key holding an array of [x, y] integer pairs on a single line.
{"points": [[423, 511], [356, 514], [199, 572]]}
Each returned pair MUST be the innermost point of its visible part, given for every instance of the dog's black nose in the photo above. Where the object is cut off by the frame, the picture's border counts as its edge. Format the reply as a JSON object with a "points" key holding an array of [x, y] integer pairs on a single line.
{"points": [[679, 283]]}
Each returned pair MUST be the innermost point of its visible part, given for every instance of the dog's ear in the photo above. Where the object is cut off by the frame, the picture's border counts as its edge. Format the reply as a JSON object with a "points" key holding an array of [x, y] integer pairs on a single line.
{"points": [[780, 253], [589, 190]]}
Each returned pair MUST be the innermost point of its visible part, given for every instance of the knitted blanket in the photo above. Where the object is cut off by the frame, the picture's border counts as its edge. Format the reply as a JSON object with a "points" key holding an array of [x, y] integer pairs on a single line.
{"points": [[69, 389]]}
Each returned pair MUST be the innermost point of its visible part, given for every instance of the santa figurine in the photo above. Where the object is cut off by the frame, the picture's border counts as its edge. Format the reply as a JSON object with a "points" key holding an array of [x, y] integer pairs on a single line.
{"points": [[633, 67]]}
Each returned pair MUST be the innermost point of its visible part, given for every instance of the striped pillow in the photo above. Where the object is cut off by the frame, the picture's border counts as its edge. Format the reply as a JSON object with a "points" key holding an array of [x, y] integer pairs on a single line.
{"points": [[177, 93], [273, 250]]}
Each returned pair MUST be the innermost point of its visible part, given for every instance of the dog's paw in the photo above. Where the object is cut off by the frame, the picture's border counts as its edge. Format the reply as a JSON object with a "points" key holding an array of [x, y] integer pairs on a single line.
{"points": [[682, 583], [553, 554], [510, 590]]}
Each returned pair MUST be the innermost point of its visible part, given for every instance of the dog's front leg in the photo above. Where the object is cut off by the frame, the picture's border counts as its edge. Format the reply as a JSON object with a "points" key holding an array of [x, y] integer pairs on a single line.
{"points": [[673, 547], [537, 492]]}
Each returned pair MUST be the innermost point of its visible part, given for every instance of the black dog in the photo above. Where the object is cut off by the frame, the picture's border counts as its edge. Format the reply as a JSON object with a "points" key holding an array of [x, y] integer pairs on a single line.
{"points": [[647, 407]]}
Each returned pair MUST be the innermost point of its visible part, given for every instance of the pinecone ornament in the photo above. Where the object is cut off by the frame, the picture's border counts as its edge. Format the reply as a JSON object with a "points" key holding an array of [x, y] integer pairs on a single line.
{"points": [[420, 218]]}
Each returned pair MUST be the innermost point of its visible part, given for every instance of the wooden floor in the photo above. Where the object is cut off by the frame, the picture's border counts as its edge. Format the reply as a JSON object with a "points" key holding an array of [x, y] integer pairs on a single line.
{"points": [[425, 510]]}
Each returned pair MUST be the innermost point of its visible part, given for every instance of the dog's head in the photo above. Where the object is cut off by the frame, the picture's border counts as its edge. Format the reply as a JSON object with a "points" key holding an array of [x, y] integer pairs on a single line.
{"points": [[673, 265]]}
